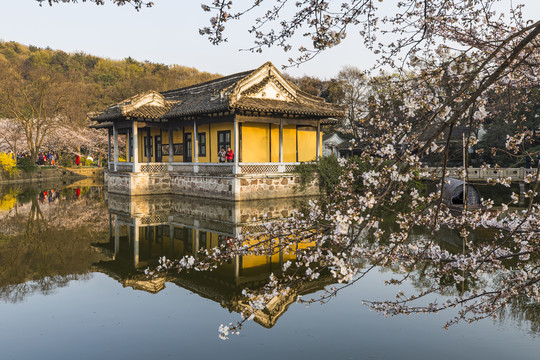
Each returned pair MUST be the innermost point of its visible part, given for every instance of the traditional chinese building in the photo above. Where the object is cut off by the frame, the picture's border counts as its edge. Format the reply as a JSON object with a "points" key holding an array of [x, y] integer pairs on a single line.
{"points": [[172, 138]]}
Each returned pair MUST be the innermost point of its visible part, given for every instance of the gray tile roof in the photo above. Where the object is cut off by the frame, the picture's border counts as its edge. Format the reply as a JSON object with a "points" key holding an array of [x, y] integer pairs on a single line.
{"points": [[223, 94]]}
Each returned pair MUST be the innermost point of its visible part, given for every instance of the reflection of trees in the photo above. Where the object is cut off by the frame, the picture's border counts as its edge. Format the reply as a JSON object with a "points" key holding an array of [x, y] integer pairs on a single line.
{"points": [[17, 292], [46, 246], [524, 312]]}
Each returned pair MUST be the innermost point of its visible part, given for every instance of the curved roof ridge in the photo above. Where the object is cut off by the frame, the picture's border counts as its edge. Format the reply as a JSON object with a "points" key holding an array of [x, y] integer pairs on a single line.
{"points": [[203, 85]]}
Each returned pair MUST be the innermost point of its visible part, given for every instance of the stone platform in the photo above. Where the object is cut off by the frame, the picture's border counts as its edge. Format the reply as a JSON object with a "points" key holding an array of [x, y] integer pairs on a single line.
{"points": [[229, 187]]}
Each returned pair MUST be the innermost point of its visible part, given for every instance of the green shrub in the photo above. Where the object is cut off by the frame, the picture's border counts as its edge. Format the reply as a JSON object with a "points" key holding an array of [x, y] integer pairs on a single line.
{"points": [[89, 162], [307, 172], [329, 171], [26, 164], [66, 161]]}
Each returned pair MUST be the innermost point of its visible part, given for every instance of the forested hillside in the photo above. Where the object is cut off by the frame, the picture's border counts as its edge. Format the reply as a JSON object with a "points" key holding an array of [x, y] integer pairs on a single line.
{"points": [[95, 82], [46, 94]]}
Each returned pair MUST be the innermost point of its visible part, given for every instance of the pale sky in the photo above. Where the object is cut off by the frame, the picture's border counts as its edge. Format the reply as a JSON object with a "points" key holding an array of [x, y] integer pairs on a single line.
{"points": [[166, 33]]}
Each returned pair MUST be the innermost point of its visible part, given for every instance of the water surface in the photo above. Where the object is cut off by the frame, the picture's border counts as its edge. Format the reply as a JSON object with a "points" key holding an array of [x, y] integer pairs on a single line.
{"points": [[72, 286]]}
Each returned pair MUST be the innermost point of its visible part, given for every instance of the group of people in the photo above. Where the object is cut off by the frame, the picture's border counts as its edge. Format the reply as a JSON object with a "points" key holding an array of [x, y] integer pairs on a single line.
{"points": [[225, 156], [43, 158], [48, 195], [48, 158]]}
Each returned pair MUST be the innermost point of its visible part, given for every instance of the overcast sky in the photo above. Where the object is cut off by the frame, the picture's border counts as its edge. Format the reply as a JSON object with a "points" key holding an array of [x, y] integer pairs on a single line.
{"points": [[166, 33]]}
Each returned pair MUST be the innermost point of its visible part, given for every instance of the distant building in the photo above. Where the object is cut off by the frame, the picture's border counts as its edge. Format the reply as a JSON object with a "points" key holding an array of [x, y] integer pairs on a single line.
{"points": [[331, 144]]}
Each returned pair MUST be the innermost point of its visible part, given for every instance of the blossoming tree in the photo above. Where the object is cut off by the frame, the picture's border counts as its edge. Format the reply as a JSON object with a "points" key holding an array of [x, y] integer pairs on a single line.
{"points": [[367, 221]]}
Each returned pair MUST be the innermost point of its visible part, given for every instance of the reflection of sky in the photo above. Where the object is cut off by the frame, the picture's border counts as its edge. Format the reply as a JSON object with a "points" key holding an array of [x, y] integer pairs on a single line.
{"points": [[167, 33], [99, 318]]}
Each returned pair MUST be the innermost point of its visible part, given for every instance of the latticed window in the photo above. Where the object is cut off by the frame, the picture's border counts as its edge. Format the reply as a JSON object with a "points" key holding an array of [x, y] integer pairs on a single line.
{"points": [[224, 139], [201, 138], [148, 144], [187, 147]]}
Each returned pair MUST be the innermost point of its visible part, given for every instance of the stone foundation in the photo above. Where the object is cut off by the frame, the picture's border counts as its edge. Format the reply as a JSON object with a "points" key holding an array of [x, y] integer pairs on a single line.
{"points": [[252, 187], [239, 187]]}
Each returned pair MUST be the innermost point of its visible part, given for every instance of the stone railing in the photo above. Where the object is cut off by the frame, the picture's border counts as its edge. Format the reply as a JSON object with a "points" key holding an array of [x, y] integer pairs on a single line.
{"points": [[229, 168], [121, 166], [515, 174], [215, 169], [154, 167], [124, 167], [267, 168], [208, 168], [203, 168]]}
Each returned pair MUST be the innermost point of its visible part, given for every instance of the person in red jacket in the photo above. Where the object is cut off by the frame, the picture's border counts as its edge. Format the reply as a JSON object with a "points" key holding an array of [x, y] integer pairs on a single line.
{"points": [[230, 155]]}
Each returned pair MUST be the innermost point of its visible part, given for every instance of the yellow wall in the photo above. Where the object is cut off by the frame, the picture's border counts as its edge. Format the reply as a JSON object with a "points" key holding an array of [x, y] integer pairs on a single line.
{"points": [[307, 145], [256, 139], [255, 146], [289, 143]]}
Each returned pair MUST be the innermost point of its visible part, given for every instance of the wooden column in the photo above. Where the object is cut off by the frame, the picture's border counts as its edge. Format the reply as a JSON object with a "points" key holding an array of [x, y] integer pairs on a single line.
{"points": [[135, 135], [318, 142], [195, 147], [280, 140], [236, 145], [195, 142], [128, 142], [171, 150], [147, 145], [209, 142], [115, 141], [109, 147]]}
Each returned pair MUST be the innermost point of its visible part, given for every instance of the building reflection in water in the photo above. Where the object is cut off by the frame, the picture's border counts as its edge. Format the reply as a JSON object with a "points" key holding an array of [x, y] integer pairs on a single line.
{"points": [[144, 228]]}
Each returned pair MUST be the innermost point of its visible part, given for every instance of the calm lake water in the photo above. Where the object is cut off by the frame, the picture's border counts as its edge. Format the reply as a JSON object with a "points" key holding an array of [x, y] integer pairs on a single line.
{"points": [[72, 287]]}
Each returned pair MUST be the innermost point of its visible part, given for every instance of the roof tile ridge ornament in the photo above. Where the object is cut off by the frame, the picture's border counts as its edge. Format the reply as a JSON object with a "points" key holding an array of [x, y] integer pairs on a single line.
{"points": [[268, 72], [255, 88], [149, 99], [204, 84]]}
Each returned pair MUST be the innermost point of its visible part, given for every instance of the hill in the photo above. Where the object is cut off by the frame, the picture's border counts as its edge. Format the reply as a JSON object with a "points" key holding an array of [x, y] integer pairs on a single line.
{"points": [[94, 81]]}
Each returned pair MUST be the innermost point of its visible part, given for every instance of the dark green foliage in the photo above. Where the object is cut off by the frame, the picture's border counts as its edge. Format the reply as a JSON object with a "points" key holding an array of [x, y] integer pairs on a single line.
{"points": [[511, 111], [26, 164], [66, 161], [307, 172], [27, 195], [329, 171]]}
